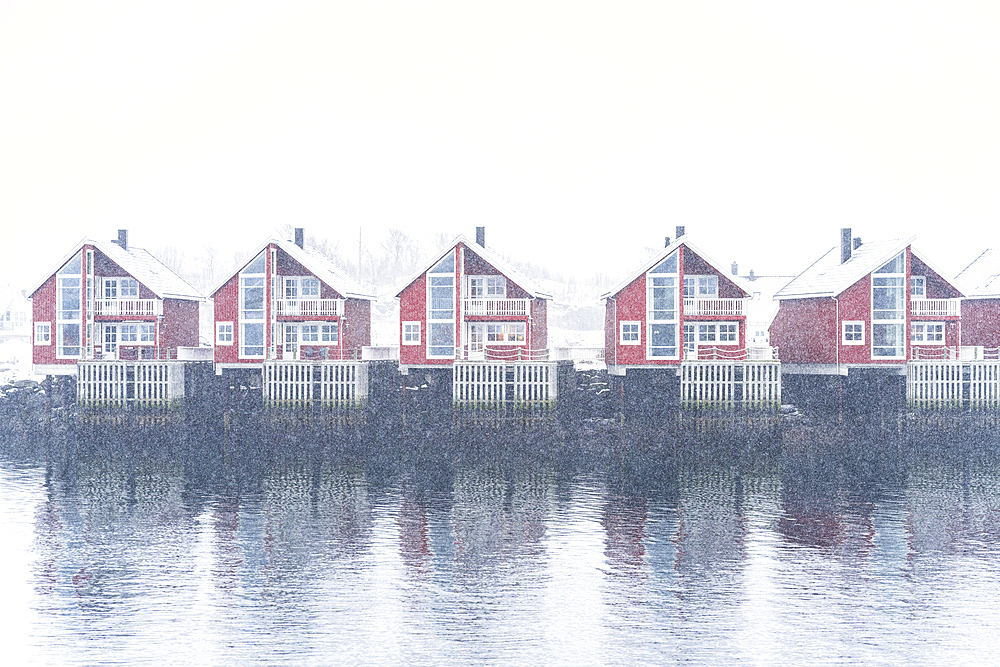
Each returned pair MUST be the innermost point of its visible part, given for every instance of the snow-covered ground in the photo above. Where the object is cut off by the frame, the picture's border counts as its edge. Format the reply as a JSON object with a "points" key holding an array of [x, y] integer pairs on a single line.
{"points": [[15, 362]]}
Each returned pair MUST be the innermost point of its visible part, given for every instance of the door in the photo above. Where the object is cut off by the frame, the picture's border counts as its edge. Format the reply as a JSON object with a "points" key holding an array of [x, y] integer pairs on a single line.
{"points": [[110, 341], [291, 341], [476, 337]]}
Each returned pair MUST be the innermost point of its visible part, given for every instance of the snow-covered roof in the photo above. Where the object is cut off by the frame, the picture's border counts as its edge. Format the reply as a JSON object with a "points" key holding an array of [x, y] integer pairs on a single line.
{"points": [[139, 264], [317, 264], [828, 277], [491, 258], [981, 278], [663, 254]]}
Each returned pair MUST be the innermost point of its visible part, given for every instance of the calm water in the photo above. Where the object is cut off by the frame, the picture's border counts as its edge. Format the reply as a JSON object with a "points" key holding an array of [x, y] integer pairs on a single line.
{"points": [[821, 545]]}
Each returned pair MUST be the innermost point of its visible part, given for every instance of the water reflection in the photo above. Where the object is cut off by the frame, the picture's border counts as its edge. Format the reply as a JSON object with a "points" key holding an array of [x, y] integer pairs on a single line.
{"points": [[784, 547]]}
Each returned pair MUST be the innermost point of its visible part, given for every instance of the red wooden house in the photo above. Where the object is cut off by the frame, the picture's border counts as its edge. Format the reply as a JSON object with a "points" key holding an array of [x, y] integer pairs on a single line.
{"points": [[678, 305], [110, 300], [875, 304], [981, 308], [469, 304], [289, 302]]}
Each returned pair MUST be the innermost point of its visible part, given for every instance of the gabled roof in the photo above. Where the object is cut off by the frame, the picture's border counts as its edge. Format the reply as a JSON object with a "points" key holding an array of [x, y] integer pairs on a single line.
{"points": [[663, 254], [491, 258], [316, 263], [981, 278], [9, 295], [828, 277], [139, 264]]}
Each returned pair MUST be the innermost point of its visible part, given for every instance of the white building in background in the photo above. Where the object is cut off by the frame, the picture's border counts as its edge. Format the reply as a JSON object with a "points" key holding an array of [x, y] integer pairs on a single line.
{"points": [[15, 315]]}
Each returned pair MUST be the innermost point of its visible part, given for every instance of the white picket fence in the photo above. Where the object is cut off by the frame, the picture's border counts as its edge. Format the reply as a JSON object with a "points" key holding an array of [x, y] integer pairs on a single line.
{"points": [[136, 383], [952, 383], [726, 383], [487, 384], [339, 384]]}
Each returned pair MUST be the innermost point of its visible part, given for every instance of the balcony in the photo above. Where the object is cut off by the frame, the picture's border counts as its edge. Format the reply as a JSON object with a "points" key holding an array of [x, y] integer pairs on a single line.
{"points": [[127, 307], [495, 307], [935, 307], [310, 307], [716, 307]]}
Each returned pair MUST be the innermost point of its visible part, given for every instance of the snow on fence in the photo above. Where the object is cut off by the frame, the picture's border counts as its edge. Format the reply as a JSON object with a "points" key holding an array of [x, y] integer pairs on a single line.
{"points": [[338, 384], [953, 383], [726, 383], [134, 383], [489, 384]]}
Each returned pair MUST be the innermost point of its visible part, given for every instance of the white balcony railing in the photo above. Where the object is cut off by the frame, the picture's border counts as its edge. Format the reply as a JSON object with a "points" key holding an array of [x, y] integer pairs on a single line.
{"points": [[495, 307], [127, 307], [722, 307], [311, 307], [935, 307]]}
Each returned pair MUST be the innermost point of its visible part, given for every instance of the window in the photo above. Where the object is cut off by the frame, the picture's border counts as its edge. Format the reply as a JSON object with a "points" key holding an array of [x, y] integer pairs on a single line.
{"points": [[411, 333], [701, 287], [128, 333], [310, 288], [496, 287], [927, 333], [252, 309], [43, 333], [147, 334], [662, 312], [441, 308], [716, 333], [889, 309], [223, 333], [918, 287], [330, 333], [291, 337], [629, 333], [853, 333], [505, 333], [291, 288], [309, 333], [68, 311], [477, 288], [689, 338]]}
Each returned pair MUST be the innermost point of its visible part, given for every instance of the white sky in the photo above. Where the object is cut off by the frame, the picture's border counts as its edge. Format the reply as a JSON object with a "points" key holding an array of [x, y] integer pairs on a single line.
{"points": [[579, 133]]}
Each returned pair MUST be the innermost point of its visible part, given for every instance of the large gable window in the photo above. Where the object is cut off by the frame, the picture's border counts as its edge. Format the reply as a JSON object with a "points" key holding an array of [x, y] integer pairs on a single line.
{"points": [[252, 318], [441, 308], [889, 309], [662, 312], [68, 311]]}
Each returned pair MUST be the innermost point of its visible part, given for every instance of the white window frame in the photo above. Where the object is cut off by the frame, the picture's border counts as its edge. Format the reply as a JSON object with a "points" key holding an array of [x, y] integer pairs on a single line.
{"points": [[410, 333], [672, 282], [128, 333], [441, 322], [496, 287], [309, 333], [246, 322], [635, 329], [899, 324], [712, 333], [329, 333], [844, 333], [920, 281], [505, 333], [921, 327], [43, 333], [223, 333]]}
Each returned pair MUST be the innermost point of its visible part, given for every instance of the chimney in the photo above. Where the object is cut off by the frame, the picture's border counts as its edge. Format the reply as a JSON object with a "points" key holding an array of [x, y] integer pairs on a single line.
{"points": [[122, 239], [300, 237], [666, 241], [845, 244], [857, 242], [481, 236], [736, 269], [680, 231]]}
